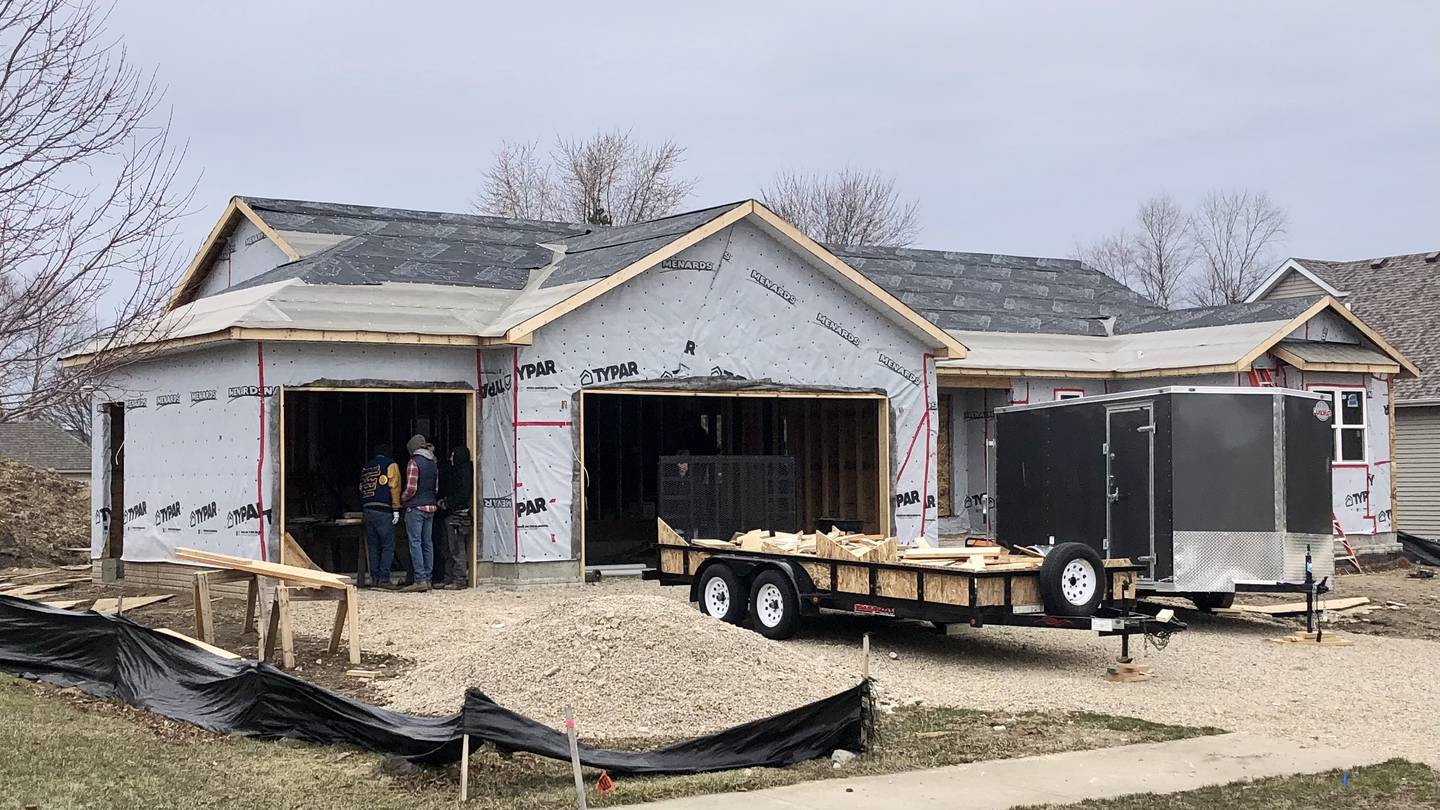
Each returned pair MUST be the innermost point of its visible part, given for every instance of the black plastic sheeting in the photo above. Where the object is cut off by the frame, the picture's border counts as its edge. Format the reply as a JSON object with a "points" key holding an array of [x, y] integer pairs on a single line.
{"points": [[111, 656], [1421, 549]]}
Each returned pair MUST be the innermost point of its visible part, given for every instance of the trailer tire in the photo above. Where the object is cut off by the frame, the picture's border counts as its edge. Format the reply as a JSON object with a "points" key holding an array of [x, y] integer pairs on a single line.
{"points": [[774, 605], [1209, 602], [1072, 580], [721, 594]]}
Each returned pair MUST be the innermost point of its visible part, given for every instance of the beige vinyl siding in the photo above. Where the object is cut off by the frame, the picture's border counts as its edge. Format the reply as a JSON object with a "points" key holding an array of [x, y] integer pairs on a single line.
{"points": [[1417, 470], [1294, 285]]}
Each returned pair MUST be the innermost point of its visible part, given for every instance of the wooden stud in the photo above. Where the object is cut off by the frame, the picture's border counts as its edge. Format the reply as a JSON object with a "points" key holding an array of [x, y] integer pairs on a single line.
{"points": [[204, 626], [252, 604], [352, 613], [865, 656], [287, 633], [338, 628]]}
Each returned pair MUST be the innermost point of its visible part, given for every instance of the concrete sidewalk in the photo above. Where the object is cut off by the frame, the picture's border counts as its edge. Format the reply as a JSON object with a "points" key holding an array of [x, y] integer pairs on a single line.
{"points": [[1166, 767]]}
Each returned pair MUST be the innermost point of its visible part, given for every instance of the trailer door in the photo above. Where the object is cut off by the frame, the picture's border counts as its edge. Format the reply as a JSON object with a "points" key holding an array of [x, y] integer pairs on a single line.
{"points": [[1130, 479]]}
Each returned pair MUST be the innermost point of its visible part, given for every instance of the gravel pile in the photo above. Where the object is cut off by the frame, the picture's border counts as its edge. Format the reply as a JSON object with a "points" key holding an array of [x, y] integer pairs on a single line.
{"points": [[41, 513], [632, 660]]}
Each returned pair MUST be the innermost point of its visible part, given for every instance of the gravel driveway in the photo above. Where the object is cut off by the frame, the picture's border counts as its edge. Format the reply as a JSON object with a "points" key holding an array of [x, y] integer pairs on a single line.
{"points": [[1381, 694]]}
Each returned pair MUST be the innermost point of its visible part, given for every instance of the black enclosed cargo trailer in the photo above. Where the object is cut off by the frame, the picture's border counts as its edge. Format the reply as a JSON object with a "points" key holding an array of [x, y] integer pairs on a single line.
{"points": [[1216, 489]]}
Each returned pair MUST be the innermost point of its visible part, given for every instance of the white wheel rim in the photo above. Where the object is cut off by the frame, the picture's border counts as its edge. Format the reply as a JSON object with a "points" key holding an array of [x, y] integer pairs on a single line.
{"points": [[1078, 582], [717, 597], [769, 605]]}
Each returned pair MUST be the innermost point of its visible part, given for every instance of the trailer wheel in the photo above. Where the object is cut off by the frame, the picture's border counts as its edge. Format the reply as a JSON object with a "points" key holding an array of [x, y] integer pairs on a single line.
{"points": [[1072, 580], [721, 594], [1208, 602], [774, 605]]}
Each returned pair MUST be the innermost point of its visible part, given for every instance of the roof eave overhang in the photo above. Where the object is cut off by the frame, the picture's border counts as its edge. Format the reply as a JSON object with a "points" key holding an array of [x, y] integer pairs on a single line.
{"points": [[234, 211], [143, 351]]}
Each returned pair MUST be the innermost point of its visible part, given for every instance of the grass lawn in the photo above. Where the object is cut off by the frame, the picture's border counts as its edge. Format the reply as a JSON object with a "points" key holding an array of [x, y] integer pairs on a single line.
{"points": [[66, 750], [1388, 786]]}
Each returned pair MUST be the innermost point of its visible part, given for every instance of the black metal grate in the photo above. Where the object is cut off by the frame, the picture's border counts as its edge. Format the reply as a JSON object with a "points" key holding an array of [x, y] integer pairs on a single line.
{"points": [[716, 496]]}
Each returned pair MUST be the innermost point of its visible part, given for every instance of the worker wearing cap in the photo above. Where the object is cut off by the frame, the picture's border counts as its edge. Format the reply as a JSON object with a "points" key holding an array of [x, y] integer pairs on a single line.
{"points": [[380, 502], [420, 499]]}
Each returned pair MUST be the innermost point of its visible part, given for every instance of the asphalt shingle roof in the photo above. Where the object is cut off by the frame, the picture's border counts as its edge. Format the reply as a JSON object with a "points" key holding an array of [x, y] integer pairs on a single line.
{"points": [[1282, 309], [43, 445], [994, 293], [953, 290], [1400, 299]]}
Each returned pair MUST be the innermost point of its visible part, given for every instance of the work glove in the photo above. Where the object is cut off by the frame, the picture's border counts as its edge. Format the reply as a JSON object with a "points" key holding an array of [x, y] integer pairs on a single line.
{"points": [[394, 518]]}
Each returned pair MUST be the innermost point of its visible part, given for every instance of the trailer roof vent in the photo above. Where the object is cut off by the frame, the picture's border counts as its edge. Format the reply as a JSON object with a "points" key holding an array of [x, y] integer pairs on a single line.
{"points": [[1376, 264]]}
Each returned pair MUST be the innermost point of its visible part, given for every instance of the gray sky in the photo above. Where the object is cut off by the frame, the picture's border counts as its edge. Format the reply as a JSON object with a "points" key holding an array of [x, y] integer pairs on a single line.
{"points": [[1021, 127]]}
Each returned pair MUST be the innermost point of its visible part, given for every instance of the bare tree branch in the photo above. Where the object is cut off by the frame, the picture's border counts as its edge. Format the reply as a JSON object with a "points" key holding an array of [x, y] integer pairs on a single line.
{"points": [[1164, 252], [88, 204], [851, 207], [608, 178], [1235, 234]]}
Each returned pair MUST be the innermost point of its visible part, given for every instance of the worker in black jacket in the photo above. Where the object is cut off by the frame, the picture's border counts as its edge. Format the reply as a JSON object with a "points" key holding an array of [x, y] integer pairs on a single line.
{"points": [[457, 491]]}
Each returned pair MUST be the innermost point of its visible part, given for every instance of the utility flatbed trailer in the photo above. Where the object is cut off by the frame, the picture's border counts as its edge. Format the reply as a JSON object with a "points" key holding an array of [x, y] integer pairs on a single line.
{"points": [[775, 591]]}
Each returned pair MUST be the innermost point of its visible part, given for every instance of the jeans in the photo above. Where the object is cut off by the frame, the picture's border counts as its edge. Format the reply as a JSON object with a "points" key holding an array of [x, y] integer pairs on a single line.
{"points": [[380, 540], [419, 527], [456, 549]]}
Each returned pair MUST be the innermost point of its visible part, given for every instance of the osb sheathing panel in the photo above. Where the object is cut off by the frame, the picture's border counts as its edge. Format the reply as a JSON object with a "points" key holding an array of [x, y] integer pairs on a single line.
{"points": [[896, 584]]}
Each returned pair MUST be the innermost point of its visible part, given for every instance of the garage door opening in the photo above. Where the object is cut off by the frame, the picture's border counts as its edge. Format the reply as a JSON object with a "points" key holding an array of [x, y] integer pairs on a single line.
{"points": [[795, 461], [329, 434]]}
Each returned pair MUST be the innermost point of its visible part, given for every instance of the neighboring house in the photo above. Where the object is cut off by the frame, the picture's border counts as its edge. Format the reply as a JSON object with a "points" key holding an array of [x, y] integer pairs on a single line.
{"points": [[46, 446], [575, 360], [1399, 296]]}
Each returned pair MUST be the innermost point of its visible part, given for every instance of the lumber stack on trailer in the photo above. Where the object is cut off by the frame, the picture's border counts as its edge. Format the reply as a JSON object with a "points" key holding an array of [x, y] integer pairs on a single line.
{"points": [[837, 545]]}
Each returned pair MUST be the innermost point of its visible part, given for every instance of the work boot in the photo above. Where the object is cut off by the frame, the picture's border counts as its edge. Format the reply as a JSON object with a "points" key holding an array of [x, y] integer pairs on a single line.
{"points": [[420, 586], [388, 586]]}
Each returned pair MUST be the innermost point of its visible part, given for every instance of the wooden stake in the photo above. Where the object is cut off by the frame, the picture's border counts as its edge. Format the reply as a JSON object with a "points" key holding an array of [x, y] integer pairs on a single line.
{"points": [[575, 757], [865, 656], [287, 635], [465, 767]]}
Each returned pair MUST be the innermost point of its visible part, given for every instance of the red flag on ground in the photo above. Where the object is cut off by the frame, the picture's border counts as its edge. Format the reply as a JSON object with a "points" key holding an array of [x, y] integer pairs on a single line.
{"points": [[604, 785]]}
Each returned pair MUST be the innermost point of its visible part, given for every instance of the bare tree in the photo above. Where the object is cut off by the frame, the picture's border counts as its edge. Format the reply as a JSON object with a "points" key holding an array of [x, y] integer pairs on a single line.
{"points": [[1154, 259], [1164, 252], [519, 184], [607, 179], [88, 204], [850, 207], [1113, 255], [1235, 234]]}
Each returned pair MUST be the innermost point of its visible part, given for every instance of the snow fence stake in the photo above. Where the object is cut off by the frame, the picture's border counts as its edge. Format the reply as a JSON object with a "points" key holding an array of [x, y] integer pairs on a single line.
{"points": [[464, 767], [575, 756], [865, 656]]}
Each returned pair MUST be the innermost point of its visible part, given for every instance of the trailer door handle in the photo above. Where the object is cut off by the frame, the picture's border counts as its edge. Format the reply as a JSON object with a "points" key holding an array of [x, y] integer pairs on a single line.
{"points": [[1145, 429]]}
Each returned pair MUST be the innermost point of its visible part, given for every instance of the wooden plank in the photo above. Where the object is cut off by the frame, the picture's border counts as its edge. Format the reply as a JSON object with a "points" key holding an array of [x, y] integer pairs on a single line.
{"points": [[39, 588], [114, 605], [1290, 608], [952, 553], [295, 555], [67, 604], [252, 604], [210, 648], [947, 589], [80, 567], [288, 573], [897, 584]]}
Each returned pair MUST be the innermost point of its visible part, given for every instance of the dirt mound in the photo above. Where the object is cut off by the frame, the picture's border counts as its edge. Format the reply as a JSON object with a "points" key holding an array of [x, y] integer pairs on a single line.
{"points": [[41, 514], [630, 664]]}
